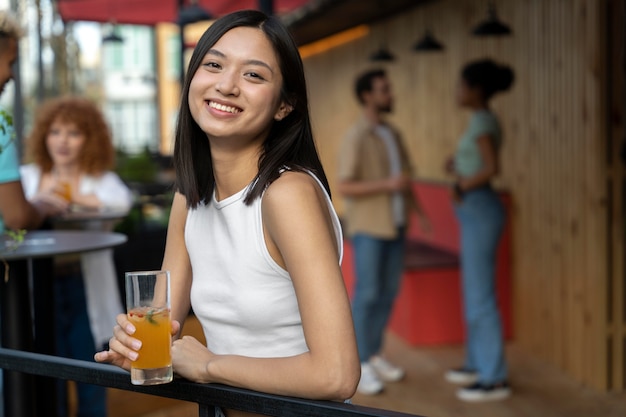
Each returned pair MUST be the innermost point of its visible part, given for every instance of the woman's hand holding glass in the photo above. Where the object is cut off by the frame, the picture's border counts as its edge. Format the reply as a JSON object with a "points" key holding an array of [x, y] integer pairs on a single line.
{"points": [[123, 347], [53, 196]]}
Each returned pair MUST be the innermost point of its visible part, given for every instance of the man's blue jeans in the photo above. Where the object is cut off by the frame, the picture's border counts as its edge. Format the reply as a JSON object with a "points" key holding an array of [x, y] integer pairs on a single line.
{"points": [[378, 266], [481, 216]]}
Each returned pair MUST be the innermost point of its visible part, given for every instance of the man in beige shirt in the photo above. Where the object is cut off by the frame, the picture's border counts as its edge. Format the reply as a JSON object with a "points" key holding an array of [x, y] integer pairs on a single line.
{"points": [[375, 181]]}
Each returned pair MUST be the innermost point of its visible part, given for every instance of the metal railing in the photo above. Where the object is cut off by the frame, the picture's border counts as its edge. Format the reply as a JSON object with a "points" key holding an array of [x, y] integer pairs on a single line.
{"points": [[207, 396]]}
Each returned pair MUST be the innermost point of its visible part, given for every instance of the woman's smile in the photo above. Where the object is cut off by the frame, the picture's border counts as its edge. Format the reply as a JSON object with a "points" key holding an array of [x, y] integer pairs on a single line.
{"points": [[224, 108]]}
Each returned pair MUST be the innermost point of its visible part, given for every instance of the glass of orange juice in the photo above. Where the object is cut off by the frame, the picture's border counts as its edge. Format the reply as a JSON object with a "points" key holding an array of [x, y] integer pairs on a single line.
{"points": [[148, 308], [65, 191]]}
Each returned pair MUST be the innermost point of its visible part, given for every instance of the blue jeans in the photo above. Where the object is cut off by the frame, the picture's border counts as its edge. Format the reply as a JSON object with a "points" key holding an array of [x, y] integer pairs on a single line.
{"points": [[481, 216], [74, 340], [378, 266]]}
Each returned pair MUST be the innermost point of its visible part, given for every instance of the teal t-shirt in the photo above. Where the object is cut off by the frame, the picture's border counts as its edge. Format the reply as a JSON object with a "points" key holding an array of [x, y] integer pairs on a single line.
{"points": [[9, 162], [467, 159]]}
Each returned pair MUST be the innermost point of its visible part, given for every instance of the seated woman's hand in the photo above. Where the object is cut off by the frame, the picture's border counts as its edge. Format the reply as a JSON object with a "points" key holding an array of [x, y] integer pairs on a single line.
{"points": [[124, 349], [47, 208], [57, 204]]}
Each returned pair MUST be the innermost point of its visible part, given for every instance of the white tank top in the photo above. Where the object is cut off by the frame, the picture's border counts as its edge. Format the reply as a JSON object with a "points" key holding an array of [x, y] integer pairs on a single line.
{"points": [[244, 300]]}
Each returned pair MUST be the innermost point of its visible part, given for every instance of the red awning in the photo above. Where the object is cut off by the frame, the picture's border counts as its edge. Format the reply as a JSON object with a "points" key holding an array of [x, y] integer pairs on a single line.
{"points": [[150, 12]]}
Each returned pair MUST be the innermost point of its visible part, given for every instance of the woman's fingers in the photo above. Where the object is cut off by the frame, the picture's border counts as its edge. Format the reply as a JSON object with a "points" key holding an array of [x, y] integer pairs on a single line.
{"points": [[124, 323], [114, 358], [124, 344], [123, 348], [175, 327], [190, 359]]}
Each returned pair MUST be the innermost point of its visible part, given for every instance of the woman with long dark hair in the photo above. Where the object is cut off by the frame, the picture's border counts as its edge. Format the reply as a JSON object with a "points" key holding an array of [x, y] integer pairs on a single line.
{"points": [[254, 244], [481, 216]]}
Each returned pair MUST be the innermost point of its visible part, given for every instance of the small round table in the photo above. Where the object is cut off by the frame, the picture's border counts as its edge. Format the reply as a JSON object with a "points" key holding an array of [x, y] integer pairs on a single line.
{"points": [[46, 243], [88, 218], [20, 330]]}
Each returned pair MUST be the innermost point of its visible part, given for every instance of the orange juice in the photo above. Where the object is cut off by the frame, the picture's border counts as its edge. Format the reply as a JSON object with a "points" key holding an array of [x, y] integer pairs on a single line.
{"points": [[154, 330], [66, 191]]}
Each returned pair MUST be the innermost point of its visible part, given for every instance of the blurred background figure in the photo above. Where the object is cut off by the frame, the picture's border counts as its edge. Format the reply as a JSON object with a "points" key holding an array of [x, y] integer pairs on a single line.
{"points": [[15, 210], [481, 216], [71, 155], [375, 179]]}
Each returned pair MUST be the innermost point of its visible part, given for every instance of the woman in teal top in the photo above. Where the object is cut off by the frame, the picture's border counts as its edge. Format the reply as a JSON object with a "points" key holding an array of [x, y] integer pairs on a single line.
{"points": [[481, 217], [15, 211]]}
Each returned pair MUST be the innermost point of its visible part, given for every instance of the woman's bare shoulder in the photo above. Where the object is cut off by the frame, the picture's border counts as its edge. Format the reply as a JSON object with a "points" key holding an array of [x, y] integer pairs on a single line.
{"points": [[292, 185]]}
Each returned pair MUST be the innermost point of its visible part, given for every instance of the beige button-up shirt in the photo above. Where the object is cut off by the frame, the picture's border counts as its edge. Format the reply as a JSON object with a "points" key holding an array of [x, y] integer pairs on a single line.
{"points": [[363, 157]]}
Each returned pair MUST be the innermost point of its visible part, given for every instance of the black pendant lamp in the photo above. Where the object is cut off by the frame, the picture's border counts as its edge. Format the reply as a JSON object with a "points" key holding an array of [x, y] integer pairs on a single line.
{"points": [[428, 43], [113, 36], [193, 13], [382, 55], [492, 26]]}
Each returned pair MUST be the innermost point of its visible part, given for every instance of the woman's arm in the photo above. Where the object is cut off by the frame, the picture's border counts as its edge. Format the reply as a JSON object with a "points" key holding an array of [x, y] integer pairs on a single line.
{"points": [[300, 237], [108, 190], [19, 213], [416, 204], [176, 260]]}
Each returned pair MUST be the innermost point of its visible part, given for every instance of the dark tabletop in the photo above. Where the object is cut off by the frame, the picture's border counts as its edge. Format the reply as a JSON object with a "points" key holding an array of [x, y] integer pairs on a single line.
{"points": [[45, 243]]}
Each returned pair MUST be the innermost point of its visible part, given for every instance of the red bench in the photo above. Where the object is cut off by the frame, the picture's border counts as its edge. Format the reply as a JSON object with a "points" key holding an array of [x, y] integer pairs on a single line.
{"points": [[428, 310]]}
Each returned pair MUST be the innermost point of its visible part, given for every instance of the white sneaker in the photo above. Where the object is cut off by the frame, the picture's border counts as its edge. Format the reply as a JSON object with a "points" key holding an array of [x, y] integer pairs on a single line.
{"points": [[369, 384], [385, 370], [461, 376]]}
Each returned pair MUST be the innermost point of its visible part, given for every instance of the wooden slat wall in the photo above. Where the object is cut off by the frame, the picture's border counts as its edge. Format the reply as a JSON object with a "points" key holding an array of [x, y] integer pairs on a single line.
{"points": [[554, 160], [616, 292]]}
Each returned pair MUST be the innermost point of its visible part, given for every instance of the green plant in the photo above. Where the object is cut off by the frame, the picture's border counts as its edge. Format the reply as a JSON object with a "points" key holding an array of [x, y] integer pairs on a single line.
{"points": [[17, 238], [6, 120], [139, 168]]}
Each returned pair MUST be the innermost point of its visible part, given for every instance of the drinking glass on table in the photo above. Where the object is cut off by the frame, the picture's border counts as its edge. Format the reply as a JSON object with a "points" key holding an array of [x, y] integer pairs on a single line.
{"points": [[148, 308]]}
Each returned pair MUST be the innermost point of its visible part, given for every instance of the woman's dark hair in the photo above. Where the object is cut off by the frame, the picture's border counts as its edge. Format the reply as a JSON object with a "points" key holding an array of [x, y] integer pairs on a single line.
{"points": [[290, 141], [365, 82], [489, 76]]}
